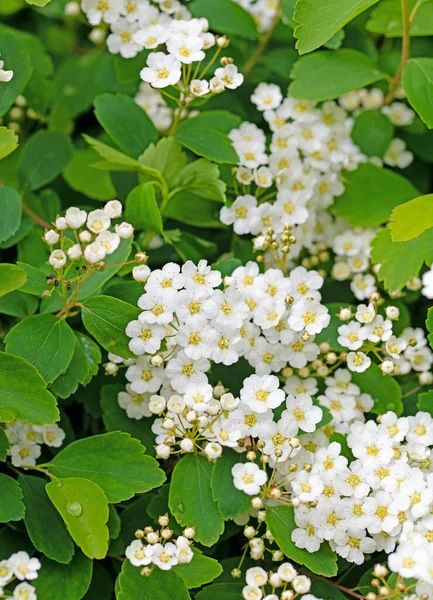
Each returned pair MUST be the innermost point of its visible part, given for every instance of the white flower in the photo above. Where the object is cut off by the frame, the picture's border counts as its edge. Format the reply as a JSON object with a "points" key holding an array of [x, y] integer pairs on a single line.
{"points": [[256, 576], [6, 572], [267, 96], [162, 70], [303, 411], [113, 208], [151, 37], [248, 478], [240, 214], [309, 315], [5, 76], [53, 435], [141, 273], [261, 393], [75, 217], [186, 48], [25, 591], [75, 252], [57, 259], [138, 554], [145, 338], [164, 557], [358, 361], [199, 87], [301, 584], [427, 282], [230, 76], [109, 241], [23, 566], [213, 450], [124, 230], [121, 41], [399, 114], [94, 252], [98, 220], [397, 155], [51, 237], [101, 10]]}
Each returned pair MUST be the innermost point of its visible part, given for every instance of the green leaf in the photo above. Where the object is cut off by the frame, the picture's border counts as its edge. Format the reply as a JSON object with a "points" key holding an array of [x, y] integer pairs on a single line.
{"points": [[425, 402], [372, 132], [23, 230], [418, 85], [386, 19], [280, 61], [159, 585], [221, 120], [141, 208], [92, 355], [429, 325], [221, 591], [199, 571], [10, 210], [411, 219], [15, 58], [106, 319], [114, 522], [125, 122], [84, 508], [371, 194], [342, 440], [326, 590], [194, 210], [44, 341], [40, 3], [166, 156], [8, 141], [281, 522], [202, 178], [116, 419], [44, 524], [226, 17], [44, 156], [23, 395], [11, 278], [11, 507], [327, 75], [191, 500], [384, 390], [115, 461], [36, 282], [336, 40], [82, 177], [400, 261], [207, 142], [118, 160], [191, 247], [4, 445], [69, 582], [231, 502], [312, 32]]}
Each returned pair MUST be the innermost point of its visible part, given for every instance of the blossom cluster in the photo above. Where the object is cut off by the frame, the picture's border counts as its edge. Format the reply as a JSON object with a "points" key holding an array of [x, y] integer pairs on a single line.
{"points": [[154, 548], [22, 568], [286, 583], [26, 440]]}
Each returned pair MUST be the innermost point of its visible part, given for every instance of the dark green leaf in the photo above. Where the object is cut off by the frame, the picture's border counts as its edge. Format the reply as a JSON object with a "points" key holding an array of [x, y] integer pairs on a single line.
{"points": [[141, 209], [199, 571], [82, 177], [418, 85], [372, 132], [231, 502], [384, 390], [10, 210], [11, 506], [160, 585], [206, 142], [425, 402], [15, 58], [69, 582], [44, 156]]}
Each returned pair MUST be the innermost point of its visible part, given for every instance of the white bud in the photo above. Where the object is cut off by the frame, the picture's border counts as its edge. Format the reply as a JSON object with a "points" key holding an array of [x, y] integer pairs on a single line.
{"points": [[213, 407], [163, 520], [97, 35], [277, 555], [72, 9], [166, 534], [176, 404], [113, 209], [85, 237], [387, 367], [301, 584], [275, 580], [51, 237], [345, 314], [75, 252], [75, 217], [228, 280], [61, 223], [111, 368], [213, 450], [380, 571], [392, 312], [218, 391], [57, 259], [152, 538], [261, 517], [156, 404], [202, 421], [157, 360], [124, 230], [257, 503], [229, 402], [162, 451], [249, 532], [191, 416], [20, 101], [186, 445], [168, 424], [425, 378], [141, 273], [295, 502], [189, 532]]}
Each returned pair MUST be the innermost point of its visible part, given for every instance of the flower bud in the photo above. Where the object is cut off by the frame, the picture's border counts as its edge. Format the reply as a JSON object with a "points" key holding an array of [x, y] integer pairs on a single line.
{"points": [[187, 445]]}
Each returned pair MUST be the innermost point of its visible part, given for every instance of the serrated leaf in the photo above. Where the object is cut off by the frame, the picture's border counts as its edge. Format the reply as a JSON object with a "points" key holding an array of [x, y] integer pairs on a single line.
{"points": [[84, 508], [11, 278], [22, 393], [191, 500], [11, 506], [10, 209], [44, 524], [69, 582], [125, 122], [45, 341], [384, 390], [202, 569], [141, 209], [372, 132], [67, 383], [44, 156], [312, 32], [167, 157], [418, 85], [106, 319], [281, 522], [327, 75], [115, 461], [411, 219], [371, 193], [160, 585], [231, 502], [119, 161]]}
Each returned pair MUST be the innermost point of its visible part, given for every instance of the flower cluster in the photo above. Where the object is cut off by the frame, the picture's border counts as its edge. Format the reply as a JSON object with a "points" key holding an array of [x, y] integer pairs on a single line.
{"points": [[19, 567], [26, 440], [285, 584], [264, 12], [154, 548]]}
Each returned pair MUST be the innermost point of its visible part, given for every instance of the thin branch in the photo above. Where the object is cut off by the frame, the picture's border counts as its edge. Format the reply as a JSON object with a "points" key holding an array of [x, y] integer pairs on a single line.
{"points": [[262, 45], [35, 217]]}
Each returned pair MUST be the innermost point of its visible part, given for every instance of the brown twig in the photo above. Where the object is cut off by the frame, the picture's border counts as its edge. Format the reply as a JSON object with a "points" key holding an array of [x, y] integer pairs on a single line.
{"points": [[35, 217]]}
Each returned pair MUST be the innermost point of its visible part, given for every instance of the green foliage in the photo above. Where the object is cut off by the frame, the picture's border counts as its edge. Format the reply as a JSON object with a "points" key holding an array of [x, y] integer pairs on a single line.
{"points": [[202, 569], [206, 141], [142, 210], [160, 585], [226, 17], [384, 390], [281, 522], [83, 507], [222, 591], [43, 157], [231, 502], [328, 75], [313, 32], [386, 19], [8, 142], [418, 85], [23, 394], [69, 582], [411, 219], [10, 209], [82, 177], [372, 132], [191, 500], [371, 194], [425, 402], [15, 57], [12, 507], [11, 278]]}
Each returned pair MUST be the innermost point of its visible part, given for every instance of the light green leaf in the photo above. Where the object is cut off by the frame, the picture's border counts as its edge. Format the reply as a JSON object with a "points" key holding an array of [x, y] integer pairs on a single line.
{"points": [[191, 247], [226, 17], [207, 142], [11, 278], [191, 501], [22, 393], [84, 508], [199, 571], [8, 141], [40, 3], [44, 524], [386, 19], [429, 325], [418, 85], [92, 355], [11, 506], [281, 522], [44, 341], [125, 122], [411, 219], [16, 59], [115, 461], [106, 319], [82, 177], [160, 585], [312, 32], [372, 132], [425, 402], [280, 61], [10, 210], [400, 261], [371, 194], [36, 282], [201, 178], [116, 419], [231, 502], [166, 156], [220, 120], [226, 266], [44, 156], [141, 209], [4, 445], [384, 390], [68, 582], [327, 75], [116, 161]]}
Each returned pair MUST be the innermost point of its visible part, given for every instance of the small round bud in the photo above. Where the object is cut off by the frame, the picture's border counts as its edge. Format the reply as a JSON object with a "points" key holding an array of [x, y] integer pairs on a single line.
{"points": [[152, 537], [141, 273], [163, 520], [261, 517], [323, 371], [387, 367], [324, 347], [157, 361], [425, 378], [222, 41], [331, 358], [166, 534], [380, 570], [236, 573], [287, 372], [72, 9], [189, 532], [187, 445], [375, 297], [304, 372], [51, 237], [257, 503], [392, 312], [97, 35], [85, 236], [251, 455], [275, 493], [191, 416], [139, 534], [111, 368], [383, 590], [168, 424], [277, 556], [295, 502], [249, 532], [213, 450], [162, 451], [287, 595], [294, 442], [371, 596], [145, 571]]}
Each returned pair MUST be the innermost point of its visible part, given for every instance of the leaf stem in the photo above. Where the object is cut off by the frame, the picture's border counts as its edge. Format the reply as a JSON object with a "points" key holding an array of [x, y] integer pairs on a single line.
{"points": [[35, 217], [405, 47], [262, 44]]}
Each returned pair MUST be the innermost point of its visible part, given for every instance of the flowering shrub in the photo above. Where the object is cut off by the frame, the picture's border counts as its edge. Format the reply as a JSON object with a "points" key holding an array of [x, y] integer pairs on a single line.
{"points": [[216, 282]]}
